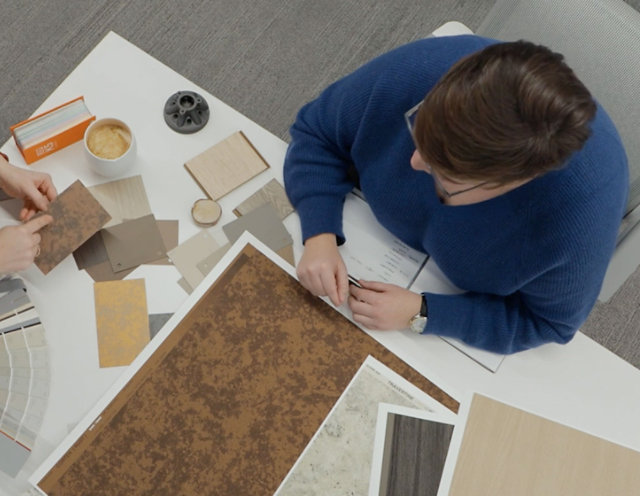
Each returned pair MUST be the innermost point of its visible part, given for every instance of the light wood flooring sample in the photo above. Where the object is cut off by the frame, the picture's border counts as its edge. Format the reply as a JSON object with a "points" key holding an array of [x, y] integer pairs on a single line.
{"points": [[505, 450], [122, 321], [124, 199], [76, 217], [226, 165]]}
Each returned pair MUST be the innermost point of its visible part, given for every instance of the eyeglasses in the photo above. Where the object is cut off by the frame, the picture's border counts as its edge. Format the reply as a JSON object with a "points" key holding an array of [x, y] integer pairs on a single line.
{"points": [[410, 119]]}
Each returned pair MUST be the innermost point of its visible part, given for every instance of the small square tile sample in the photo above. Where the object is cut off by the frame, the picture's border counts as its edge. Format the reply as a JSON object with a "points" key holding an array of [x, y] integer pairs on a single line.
{"points": [[273, 192], [133, 243], [226, 165], [156, 321], [77, 216], [506, 450], [264, 223], [122, 321], [187, 255], [209, 263], [124, 199], [169, 233]]}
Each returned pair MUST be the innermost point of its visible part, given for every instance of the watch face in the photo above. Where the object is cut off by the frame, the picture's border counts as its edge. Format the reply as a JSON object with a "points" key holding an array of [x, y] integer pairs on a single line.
{"points": [[417, 323]]}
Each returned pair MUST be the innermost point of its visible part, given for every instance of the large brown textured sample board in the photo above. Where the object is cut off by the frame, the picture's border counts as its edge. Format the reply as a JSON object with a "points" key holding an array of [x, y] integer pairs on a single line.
{"points": [[230, 398], [506, 450], [77, 216]]}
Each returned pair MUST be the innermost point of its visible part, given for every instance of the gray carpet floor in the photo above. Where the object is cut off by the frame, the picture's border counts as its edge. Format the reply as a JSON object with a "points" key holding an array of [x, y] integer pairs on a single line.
{"points": [[266, 58]]}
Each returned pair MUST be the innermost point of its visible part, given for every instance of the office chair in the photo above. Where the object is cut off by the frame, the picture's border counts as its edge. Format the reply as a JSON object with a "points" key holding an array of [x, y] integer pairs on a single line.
{"points": [[600, 40]]}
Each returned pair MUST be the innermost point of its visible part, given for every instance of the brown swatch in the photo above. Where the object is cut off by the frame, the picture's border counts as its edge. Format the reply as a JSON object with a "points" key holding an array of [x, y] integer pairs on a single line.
{"points": [[231, 397], [122, 321], [226, 165], [77, 216], [133, 243], [506, 450]]}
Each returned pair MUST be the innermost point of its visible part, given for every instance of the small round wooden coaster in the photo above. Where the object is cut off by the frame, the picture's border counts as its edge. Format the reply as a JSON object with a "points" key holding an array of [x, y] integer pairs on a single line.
{"points": [[206, 212]]}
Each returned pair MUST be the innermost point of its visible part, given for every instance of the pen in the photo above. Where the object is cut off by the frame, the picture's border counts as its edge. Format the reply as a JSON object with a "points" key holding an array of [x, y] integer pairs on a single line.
{"points": [[354, 281]]}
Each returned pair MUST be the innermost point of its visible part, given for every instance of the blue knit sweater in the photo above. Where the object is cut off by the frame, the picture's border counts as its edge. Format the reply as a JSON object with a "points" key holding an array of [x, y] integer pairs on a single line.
{"points": [[531, 261]]}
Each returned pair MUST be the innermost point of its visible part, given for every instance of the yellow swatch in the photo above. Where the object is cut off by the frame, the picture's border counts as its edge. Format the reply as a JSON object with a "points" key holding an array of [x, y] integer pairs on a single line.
{"points": [[122, 320]]}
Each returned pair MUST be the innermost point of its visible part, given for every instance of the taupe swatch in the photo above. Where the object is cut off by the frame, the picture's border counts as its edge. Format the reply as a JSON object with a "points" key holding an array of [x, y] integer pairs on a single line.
{"points": [[133, 243]]}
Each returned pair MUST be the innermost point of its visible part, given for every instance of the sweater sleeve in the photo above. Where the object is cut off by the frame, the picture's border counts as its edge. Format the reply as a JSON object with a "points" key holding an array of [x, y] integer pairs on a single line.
{"points": [[316, 167], [566, 273]]}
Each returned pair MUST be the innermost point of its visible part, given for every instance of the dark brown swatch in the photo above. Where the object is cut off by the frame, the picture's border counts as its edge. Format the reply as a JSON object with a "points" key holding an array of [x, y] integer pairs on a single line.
{"points": [[77, 215], [231, 397]]}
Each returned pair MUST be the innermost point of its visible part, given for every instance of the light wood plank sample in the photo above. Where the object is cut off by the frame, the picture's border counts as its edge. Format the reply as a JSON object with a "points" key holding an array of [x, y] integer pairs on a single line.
{"points": [[231, 397], [122, 321], [76, 217], [226, 165], [124, 199], [273, 192], [506, 450]]}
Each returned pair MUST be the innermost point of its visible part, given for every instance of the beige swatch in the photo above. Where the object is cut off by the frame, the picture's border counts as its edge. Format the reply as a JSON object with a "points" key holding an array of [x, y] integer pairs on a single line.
{"points": [[226, 165], [509, 451], [273, 192], [122, 321], [124, 199], [186, 256]]}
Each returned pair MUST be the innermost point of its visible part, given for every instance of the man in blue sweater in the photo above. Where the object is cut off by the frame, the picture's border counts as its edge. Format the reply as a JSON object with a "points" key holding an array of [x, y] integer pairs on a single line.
{"points": [[508, 175]]}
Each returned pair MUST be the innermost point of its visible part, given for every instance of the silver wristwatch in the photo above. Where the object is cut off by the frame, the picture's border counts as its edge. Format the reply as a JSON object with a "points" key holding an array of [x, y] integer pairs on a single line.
{"points": [[419, 320]]}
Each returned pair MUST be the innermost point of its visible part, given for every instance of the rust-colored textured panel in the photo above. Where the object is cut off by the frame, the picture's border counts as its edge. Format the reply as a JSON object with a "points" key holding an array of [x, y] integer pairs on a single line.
{"points": [[229, 400], [77, 216]]}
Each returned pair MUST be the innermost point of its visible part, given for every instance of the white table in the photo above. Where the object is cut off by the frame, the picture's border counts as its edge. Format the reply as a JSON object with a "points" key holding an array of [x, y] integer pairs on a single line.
{"points": [[580, 384]]}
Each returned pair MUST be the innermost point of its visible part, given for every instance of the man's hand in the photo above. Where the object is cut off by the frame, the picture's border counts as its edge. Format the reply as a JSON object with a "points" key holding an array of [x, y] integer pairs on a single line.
{"points": [[35, 188], [380, 306], [321, 269], [19, 245]]}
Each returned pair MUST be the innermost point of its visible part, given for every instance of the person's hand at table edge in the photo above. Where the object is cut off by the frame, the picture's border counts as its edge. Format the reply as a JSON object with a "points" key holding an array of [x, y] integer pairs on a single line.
{"points": [[381, 306], [321, 269]]}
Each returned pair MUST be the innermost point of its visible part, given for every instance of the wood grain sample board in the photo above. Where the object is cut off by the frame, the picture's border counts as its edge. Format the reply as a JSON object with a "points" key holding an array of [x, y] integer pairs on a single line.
{"points": [[505, 450], [229, 398], [226, 165]]}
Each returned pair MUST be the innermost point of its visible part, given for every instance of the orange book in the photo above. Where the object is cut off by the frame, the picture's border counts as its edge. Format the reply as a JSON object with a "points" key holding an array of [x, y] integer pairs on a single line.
{"points": [[53, 130]]}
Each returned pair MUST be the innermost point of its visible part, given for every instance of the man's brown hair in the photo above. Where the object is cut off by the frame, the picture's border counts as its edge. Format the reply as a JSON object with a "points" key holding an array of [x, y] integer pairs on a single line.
{"points": [[509, 112]]}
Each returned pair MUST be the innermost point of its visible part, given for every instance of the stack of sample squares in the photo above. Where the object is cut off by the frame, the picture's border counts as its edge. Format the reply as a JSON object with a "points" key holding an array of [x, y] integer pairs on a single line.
{"points": [[24, 375], [132, 237]]}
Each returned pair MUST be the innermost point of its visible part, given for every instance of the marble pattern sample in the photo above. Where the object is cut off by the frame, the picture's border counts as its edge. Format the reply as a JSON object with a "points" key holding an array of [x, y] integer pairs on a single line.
{"points": [[338, 460]]}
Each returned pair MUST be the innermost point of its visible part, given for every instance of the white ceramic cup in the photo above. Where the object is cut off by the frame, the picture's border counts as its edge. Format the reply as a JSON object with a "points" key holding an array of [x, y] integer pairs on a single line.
{"points": [[110, 146]]}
